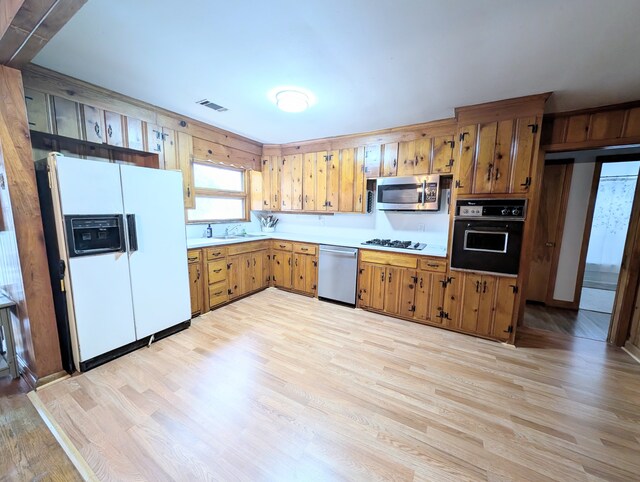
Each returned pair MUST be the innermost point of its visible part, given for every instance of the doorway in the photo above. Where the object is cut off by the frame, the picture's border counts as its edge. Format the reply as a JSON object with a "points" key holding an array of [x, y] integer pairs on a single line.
{"points": [[580, 238]]}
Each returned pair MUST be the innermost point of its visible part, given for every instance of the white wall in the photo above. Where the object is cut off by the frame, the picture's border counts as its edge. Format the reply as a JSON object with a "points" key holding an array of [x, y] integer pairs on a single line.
{"points": [[576, 215]]}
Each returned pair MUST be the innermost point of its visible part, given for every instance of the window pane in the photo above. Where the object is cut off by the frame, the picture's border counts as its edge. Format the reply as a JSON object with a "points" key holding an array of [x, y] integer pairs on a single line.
{"points": [[212, 177], [216, 208]]}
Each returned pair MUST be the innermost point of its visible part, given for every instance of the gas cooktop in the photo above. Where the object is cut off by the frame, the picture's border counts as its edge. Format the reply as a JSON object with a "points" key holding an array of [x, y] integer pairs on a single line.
{"points": [[387, 243]]}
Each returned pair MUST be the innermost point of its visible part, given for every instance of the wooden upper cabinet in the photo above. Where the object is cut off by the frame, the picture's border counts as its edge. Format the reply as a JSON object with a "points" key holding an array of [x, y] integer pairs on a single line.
{"points": [[309, 181], [286, 182], [66, 114], [255, 183], [270, 183], [360, 183], [422, 154], [497, 157], [154, 142], [169, 149], [135, 134], [93, 124], [333, 180], [38, 110], [372, 160], [114, 129], [390, 159], [406, 159], [185, 156], [442, 154], [347, 180], [296, 182]]}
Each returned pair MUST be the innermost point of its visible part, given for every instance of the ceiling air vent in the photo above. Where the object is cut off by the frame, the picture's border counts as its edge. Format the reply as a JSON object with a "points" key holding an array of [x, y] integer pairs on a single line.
{"points": [[211, 105]]}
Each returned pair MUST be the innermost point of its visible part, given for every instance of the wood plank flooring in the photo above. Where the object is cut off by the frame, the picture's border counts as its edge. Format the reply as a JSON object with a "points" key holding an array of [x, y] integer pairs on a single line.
{"points": [[28, 451], [581, 323], [284, 387]]}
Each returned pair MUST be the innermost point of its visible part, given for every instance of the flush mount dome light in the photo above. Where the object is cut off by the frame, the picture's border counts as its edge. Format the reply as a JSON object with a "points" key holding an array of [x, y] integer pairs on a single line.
{"points": [[292, 99]]}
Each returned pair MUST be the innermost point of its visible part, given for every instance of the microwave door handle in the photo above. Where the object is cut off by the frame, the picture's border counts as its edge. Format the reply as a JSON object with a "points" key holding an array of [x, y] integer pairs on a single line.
{"points": [[133, 233], [424, 191]]}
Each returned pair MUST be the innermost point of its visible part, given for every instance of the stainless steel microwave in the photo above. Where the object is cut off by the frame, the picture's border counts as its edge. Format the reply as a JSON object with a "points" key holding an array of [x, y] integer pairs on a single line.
{"points": [[415, 193]]}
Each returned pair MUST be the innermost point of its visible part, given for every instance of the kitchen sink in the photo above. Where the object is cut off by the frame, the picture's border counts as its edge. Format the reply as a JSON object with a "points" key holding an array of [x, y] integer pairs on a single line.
{"points": [[237, 236]]}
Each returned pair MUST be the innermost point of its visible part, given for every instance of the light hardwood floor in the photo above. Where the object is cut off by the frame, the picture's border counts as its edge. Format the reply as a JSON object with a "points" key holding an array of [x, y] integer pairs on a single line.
{"points": [[581, 323], [283, 387]]}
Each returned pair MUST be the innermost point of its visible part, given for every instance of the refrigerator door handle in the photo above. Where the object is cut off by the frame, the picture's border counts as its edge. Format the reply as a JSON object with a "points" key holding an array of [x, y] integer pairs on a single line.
{"points": [[133, 234]]}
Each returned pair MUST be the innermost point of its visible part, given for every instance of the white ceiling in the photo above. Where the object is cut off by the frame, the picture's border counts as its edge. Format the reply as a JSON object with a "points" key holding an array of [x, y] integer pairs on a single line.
{"points": [[372, 64]]}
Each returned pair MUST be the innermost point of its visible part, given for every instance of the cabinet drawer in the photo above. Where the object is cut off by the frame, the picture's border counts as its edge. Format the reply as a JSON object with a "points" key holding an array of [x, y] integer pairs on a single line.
{"points": [[305, 248], [433, 264], [216, 252], [246, 247], [282, 245], [194, 256], [218, 293], [390, 259], [217, 271]]}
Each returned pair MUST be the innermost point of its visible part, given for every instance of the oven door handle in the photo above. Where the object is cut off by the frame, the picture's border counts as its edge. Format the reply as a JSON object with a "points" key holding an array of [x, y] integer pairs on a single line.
{"points": [[488, 229]]}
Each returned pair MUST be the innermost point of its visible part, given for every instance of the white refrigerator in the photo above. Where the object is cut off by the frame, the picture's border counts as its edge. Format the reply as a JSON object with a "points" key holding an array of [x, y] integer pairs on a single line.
{"points": [[117, 252]]}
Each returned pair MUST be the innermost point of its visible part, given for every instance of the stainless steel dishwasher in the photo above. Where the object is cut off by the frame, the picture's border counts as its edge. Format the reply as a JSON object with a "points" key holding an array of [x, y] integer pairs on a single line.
{"points": [[337, 273]]}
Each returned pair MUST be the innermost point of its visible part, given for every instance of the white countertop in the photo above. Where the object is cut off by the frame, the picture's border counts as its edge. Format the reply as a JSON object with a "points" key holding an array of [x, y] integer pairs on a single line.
{"points": [[438, 251]]}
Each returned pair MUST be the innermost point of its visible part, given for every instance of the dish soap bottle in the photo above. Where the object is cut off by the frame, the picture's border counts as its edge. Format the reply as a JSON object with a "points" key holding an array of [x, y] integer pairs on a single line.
{"points": [[209, 232]]}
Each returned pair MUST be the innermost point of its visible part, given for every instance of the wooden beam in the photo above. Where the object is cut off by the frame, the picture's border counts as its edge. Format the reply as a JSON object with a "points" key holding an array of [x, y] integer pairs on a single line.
{"points": [[32, 26]]}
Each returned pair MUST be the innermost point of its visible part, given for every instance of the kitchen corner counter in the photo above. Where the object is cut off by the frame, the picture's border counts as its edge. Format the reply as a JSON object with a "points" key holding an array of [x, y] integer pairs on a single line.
{"points": [[429, 250]]}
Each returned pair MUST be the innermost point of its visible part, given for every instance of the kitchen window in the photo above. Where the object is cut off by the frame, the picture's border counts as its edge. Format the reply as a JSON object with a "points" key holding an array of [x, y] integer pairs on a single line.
{"points": [[220, 194]]}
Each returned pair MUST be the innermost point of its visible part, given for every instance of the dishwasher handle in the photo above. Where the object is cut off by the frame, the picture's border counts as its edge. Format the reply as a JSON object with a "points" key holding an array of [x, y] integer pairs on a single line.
{"points": [[351, 252]]}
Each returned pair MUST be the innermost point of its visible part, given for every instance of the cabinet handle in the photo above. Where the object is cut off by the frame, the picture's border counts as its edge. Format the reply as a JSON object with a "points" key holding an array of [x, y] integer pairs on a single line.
{"points": [[254, 261], [289, 260], [217, 270], [360, 198], [97, 129], [217, 293], [389, 277], [489, 171], [382, 277], [195, 258], [304, 249], [248, 264], [484, 287], [296, 263], [433, 265], [110, 131], [300, 198], [421, 282], [198, 270], [218, 253], [477, 286], [497, 176], [306, 198], [395, 162], [188, 191], [282, 245]]}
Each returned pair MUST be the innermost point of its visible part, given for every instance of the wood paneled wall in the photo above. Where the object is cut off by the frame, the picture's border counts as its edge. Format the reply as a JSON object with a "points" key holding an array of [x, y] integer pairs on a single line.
{"points": [[25, 279]]}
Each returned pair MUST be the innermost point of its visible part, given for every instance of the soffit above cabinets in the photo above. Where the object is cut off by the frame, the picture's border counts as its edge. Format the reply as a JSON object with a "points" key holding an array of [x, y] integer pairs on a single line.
{"points": [[372, 64]]}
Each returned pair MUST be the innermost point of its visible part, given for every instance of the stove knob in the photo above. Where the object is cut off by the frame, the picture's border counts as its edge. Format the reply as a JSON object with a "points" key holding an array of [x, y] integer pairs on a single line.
{"points": [[505, 212], [515, 212]]}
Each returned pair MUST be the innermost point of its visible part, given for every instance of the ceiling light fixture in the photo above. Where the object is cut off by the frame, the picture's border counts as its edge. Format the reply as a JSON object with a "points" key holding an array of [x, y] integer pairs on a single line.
{"points": [[292, 99]]}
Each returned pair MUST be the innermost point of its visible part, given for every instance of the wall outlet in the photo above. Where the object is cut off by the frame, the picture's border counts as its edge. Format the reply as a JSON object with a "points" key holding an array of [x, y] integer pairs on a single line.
{"points": [[421, 227]]}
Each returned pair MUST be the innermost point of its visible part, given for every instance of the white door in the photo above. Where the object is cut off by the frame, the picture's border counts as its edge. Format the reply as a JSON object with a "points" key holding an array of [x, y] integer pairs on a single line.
{"points": [[159, 271], [102, 314]]}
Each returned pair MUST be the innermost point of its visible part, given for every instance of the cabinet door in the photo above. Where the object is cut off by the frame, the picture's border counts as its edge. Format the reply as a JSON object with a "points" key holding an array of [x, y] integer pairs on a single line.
{"points": [[311, 274], [255, 183], [360, 183], [38, 110], [466, 159], [185, 154], [442, 157], [365, 279], [486, 305], [274, 163], [378, 284], [390, 159], [256, 260], [266, 268], [407, 293], [195, 283], [470, 301], [504, 308], [392, 290], [155, 142], [485, 158], [93, 124], [66, 114], [298, 273], [281, 266], [452, 300], [309, 182], [235, 265], [170, 149], [406, 158], [429, 297], [322, 163], [266, 184], [296, 179], [114, 129], [333, 181], [525, 143], [347, 180], [286, 182], [502, 157], [422, 163], [135, 136], [372, 159]]}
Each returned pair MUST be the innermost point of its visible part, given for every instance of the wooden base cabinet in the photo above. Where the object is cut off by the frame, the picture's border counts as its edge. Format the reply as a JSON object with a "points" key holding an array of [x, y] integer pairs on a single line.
{"points": [[194, 258], [388, 285], [294, 266], [481, 304]]}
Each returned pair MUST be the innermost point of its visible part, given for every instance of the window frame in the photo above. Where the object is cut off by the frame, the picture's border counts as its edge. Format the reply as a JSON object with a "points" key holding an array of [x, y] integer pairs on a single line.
{"points": [[221, 193]]}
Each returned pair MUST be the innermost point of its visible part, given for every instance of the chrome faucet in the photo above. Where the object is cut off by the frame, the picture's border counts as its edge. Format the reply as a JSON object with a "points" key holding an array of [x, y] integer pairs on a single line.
{"points": [[228, 231]]}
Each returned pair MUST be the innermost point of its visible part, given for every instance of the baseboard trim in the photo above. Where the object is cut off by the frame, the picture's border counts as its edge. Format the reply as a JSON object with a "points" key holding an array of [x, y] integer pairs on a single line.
{"points": [[632, 350], [72, 452], [51, 379], [26, 373]]}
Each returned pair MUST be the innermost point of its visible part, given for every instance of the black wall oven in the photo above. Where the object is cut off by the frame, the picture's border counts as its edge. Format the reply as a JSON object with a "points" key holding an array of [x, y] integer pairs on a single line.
{"points": [[487, 235]]}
